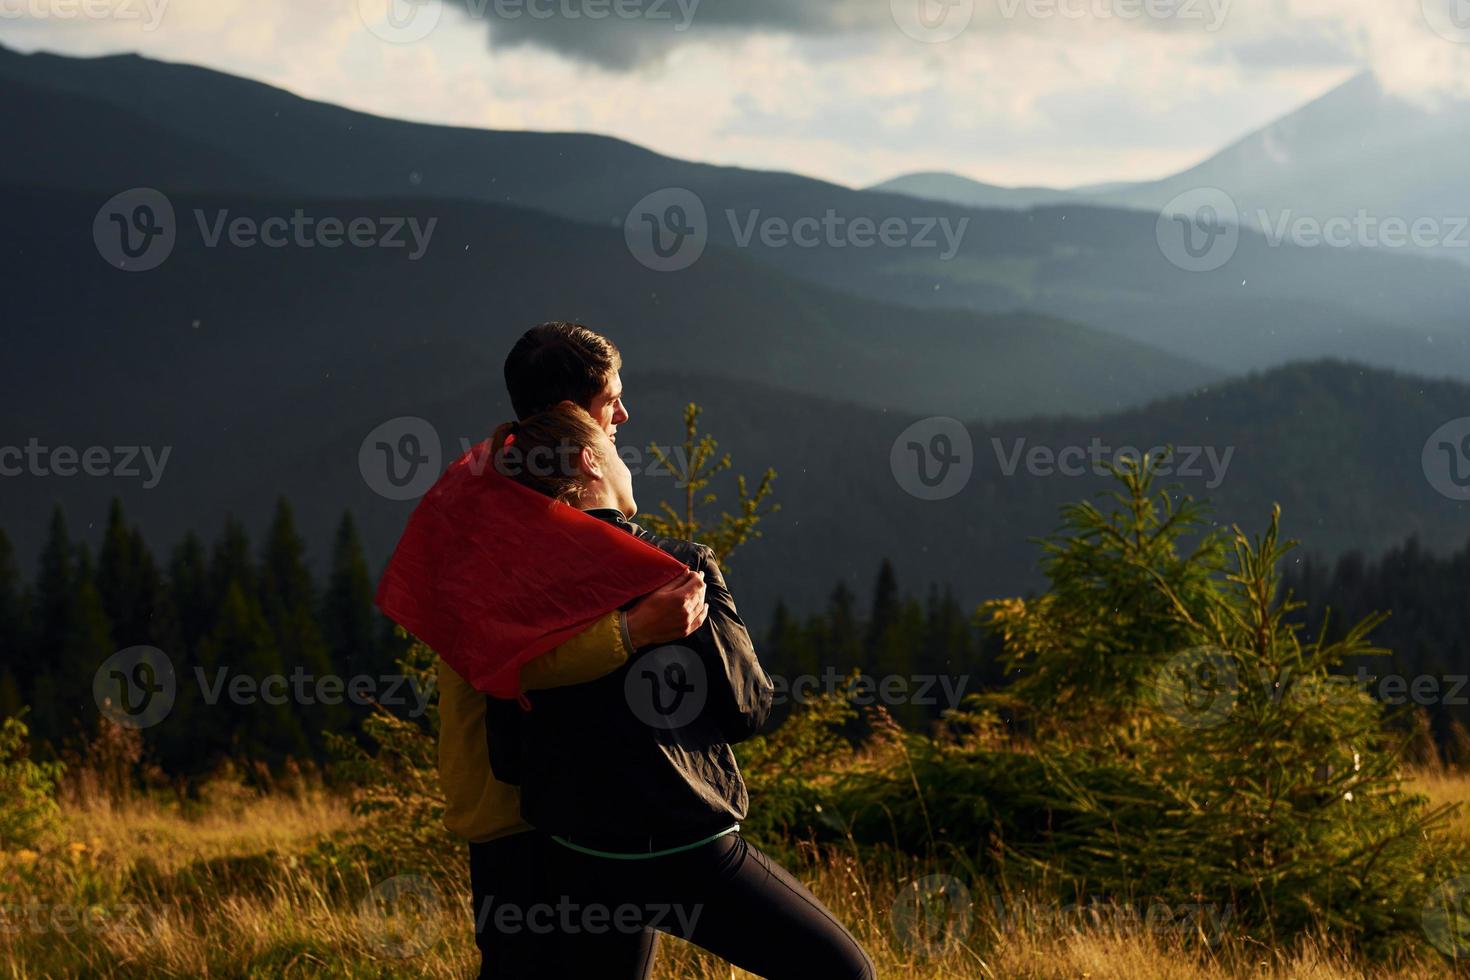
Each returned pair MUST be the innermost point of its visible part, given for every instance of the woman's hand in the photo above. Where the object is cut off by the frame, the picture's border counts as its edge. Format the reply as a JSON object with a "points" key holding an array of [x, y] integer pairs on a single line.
{"points": [[669, 614]]}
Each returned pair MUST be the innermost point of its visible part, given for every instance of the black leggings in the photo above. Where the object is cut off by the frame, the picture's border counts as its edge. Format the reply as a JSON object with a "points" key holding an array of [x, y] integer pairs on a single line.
{"points": [[725, 896], [514, 908]]}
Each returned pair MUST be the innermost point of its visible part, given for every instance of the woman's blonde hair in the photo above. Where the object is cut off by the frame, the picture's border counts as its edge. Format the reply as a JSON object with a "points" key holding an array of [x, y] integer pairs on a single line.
{"points": [[542, 452]]}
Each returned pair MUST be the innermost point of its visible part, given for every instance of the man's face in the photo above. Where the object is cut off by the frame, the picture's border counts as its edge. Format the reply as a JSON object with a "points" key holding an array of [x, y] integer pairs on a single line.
{"points": [[607, 408]]}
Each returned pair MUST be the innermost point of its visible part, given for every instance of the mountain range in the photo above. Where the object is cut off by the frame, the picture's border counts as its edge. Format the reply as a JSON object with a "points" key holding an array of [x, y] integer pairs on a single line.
{"points": [[1110, 268], [1358, 148], [266, 371]]}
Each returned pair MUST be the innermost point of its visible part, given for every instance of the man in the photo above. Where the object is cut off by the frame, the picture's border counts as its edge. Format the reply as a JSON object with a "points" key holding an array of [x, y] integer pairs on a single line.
{"points": [[551, 363]]}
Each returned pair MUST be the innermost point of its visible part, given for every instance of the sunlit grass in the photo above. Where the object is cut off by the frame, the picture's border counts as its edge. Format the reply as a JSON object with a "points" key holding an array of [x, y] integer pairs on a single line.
{"points": [[226, 822], [227, 887], [1445, 786]]}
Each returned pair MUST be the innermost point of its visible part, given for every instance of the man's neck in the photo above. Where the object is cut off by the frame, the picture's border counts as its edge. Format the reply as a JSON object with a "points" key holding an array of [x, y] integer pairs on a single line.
{"points": [[601, 501]]}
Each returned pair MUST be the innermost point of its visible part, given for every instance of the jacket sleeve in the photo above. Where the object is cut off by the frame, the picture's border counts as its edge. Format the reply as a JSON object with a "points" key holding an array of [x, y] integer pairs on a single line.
{"points": [[740, 692], [598, 650]]}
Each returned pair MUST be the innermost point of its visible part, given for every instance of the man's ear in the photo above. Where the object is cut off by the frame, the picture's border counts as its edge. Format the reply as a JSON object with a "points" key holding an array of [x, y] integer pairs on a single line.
{"points": [[591, 463]]}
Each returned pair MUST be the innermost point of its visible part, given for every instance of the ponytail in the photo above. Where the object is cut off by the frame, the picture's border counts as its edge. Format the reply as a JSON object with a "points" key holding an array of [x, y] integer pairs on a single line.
{"points": [[543, 452]]}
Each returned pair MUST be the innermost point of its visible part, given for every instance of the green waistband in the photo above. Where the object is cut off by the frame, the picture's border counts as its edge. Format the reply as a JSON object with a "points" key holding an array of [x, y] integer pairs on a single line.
{"points": [[639, 856]]}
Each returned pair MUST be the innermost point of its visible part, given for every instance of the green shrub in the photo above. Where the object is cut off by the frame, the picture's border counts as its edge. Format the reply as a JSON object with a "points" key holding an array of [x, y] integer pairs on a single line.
{"points": [[395, 784], [786, 772], [28, 807], [1181, 744]]}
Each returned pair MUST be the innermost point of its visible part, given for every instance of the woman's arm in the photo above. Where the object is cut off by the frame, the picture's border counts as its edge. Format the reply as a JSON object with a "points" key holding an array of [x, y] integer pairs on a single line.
{"points": [[668, 613], [598, 650]]}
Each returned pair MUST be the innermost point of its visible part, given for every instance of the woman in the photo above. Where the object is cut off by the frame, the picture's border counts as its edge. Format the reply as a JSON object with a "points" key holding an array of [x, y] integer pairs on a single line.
{"points": [[632, 775]]}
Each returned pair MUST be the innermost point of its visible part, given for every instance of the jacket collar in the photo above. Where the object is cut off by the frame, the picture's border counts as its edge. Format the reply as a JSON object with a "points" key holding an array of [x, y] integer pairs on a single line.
{"points": [[611, 515]]}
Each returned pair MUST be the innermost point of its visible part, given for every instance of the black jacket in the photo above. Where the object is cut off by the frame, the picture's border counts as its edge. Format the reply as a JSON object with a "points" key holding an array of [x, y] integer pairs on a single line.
{"points": [[640, 759]]}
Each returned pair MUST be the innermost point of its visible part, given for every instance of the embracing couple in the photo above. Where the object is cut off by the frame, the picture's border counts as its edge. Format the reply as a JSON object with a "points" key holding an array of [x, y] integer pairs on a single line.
{"points": [[593, 677]]}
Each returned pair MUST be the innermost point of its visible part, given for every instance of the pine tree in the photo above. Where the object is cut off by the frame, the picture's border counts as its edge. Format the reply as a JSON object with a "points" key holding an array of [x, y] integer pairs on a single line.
{"points": [[13, 628], [781, 653], [249, 728], [86, 641], [697, 464], [1093, 644], [841, 632], [118, 579], [350, 623], [883, 617], [1429, 631], [285, 582], [189, 592], [231, 563], [133, 593], [891, 647], [898, 656], [288, 600], [56, 584], [161, 627], [186, 742], [1203, 753]]}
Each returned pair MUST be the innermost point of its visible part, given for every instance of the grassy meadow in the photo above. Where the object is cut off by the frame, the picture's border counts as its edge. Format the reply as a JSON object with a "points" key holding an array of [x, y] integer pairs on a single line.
{"points": [[235, 885], [1179, 786]]}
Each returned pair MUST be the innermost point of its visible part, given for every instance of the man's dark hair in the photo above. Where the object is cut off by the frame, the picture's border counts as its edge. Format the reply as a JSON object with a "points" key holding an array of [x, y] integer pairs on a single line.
{"points": [[556, 362]]}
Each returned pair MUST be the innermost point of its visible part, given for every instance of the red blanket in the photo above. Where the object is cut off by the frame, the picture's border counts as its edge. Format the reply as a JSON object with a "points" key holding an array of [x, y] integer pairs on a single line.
{"points": [[490, 574]]}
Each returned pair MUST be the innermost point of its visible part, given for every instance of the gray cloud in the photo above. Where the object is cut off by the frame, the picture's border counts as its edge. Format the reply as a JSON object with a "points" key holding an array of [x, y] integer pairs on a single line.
{"points": [[624, 34]]}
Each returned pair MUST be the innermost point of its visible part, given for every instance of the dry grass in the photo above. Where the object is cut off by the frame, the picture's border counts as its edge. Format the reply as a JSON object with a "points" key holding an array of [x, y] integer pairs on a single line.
{"points": [[227, 889], [1445, 786], [227, 822], [988, 945]]}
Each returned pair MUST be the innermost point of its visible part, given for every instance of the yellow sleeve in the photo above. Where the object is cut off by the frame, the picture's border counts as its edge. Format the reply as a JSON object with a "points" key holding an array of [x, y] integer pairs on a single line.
{"points": [[596, 651], [477, 806]]}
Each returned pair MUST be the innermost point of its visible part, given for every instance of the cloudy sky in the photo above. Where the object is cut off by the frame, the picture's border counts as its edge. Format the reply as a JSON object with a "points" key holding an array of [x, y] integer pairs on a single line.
{"points": [[1057, 92]]}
